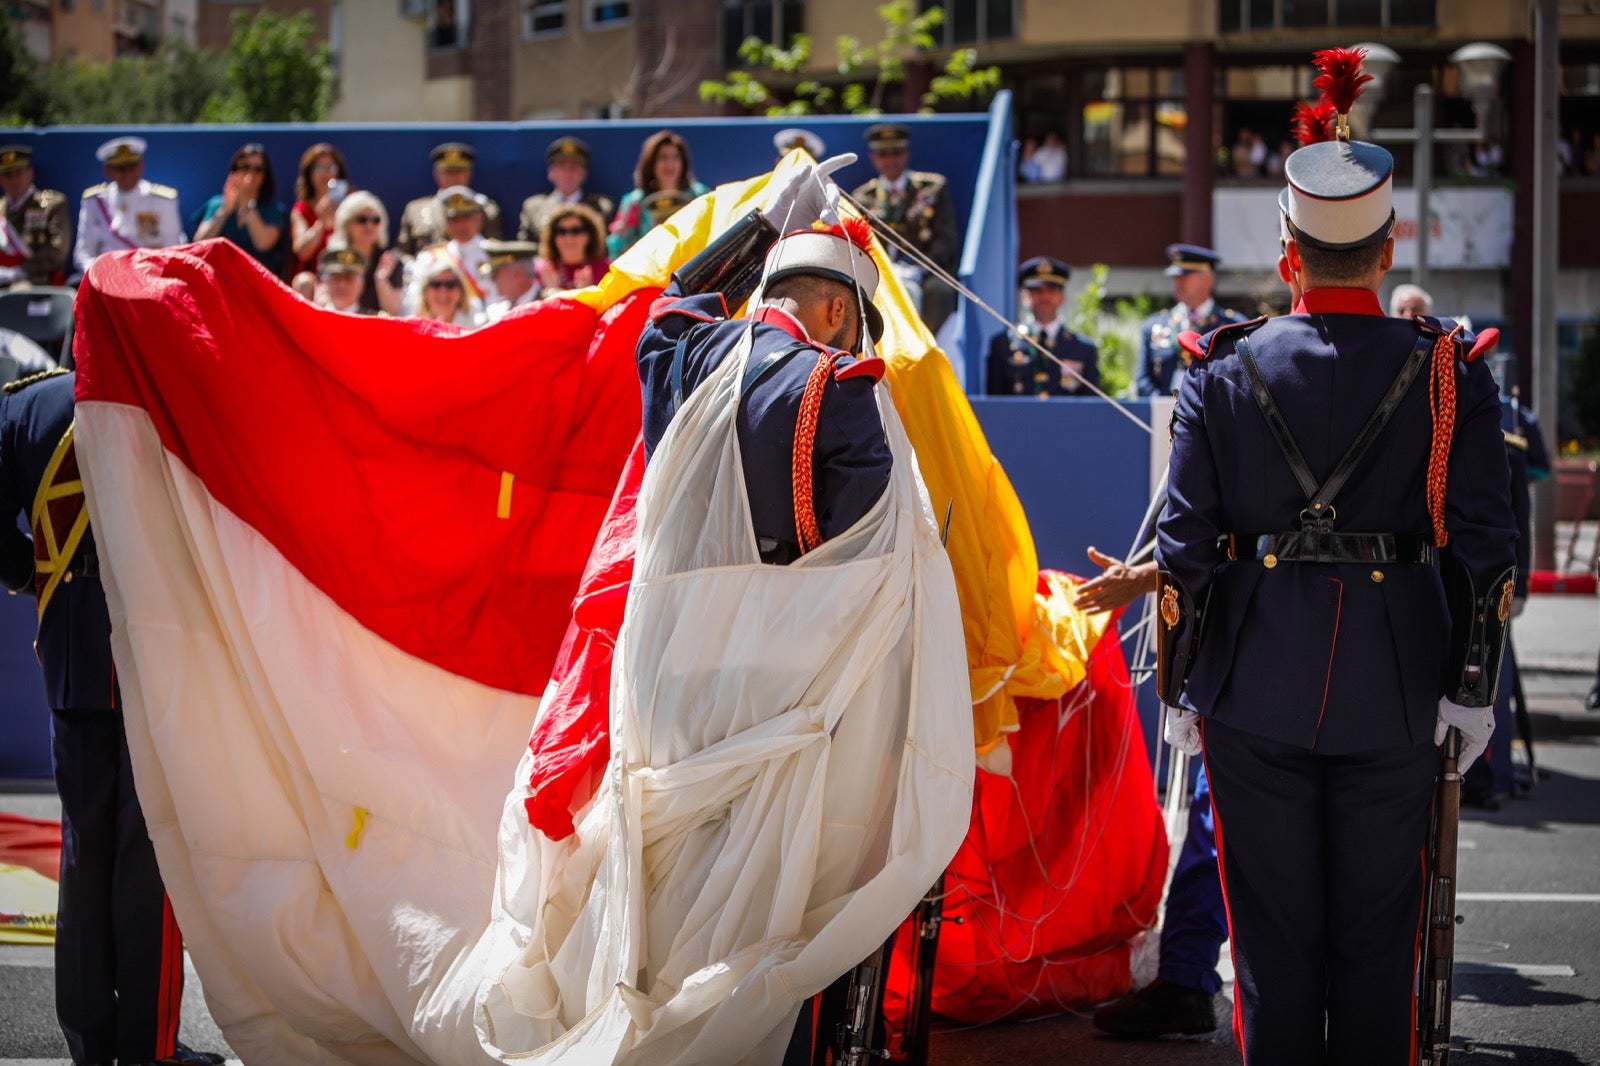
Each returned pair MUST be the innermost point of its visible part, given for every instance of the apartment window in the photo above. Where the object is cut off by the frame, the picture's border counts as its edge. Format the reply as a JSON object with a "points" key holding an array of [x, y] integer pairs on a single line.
{"points": [[974, 21], [773, 21], [1133, 122], [604, 14], [544, 18], [66, 5], [449, 23], [1247, 16]]}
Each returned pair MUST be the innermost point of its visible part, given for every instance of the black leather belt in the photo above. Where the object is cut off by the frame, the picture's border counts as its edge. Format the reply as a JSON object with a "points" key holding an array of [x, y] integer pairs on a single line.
{"points": [[85, 565], [1309, 546]]}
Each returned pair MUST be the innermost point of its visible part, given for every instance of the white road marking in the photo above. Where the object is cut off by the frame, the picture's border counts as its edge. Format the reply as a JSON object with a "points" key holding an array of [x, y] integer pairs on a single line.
{"points": [[1513, 969], [1528, 897]]}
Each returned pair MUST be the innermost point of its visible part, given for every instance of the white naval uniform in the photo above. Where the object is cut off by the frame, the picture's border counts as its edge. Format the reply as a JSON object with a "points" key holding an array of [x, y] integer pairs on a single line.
{"points": [[110, 220]]}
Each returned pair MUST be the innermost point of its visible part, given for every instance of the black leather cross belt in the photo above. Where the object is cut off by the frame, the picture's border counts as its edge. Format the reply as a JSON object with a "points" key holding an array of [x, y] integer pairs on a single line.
{"points": [[84, 564], [1309, 546]]}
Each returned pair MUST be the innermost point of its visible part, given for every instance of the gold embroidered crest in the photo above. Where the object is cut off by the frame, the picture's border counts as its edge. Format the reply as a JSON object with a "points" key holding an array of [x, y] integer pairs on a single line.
{"points": [[149, 224], [1504, 611], [1169, 607]]}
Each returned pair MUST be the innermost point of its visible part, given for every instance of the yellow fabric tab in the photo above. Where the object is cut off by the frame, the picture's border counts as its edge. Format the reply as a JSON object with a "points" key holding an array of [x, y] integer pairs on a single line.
{"points": [[58, 550], [502, 509], [354, 838]]}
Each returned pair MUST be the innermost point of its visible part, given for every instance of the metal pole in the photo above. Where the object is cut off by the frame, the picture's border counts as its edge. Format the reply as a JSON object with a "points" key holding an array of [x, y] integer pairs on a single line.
{"points": [[1422, 178], [1546, 211]]}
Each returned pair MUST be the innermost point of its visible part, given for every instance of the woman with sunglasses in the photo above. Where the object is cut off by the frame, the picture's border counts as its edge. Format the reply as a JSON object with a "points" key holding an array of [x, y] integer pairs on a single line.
{"points": [[245, 213], [439, 292], [663, 165], [362, 223], [322, 184], [572, 249]]}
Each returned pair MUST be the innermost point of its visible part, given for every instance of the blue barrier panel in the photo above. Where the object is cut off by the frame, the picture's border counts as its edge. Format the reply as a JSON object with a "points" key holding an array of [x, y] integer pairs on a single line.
{"points": [[24, 716], [989, 254]]}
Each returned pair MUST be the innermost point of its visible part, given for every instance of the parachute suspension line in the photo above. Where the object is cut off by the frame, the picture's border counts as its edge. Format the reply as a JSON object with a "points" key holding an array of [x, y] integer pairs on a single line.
{"points": [[916, 255]]}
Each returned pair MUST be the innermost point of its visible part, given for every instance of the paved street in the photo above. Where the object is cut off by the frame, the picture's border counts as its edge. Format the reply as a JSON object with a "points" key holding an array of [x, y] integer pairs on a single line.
{"points": [[1528, 973]]}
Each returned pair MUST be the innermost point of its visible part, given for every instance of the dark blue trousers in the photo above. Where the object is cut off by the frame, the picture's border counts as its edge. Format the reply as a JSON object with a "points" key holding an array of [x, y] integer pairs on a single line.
{"points": [[119, 956], [1195, 924], [1322, 871]]}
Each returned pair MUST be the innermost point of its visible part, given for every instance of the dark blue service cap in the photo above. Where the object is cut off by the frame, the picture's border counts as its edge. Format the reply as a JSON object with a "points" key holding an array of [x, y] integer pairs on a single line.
{"points": [[1191, 259], [887, 136], [1340, 193], [1043, 270]]}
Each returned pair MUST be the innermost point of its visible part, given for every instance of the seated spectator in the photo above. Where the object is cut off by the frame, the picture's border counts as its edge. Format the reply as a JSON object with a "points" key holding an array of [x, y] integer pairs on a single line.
{"points": [[305, 285], [664, 163], [1050, 161], [342, 273], [572, 249], [439, 292], [511, 272], [244, 212], [362, 223], [1028, 160], [567, 167], [322, 183]]}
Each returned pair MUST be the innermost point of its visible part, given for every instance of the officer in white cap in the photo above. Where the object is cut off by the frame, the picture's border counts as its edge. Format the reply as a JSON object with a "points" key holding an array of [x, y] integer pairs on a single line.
{"points": [[125, 211], [1337, 570], [787, 140], [463, 212]]}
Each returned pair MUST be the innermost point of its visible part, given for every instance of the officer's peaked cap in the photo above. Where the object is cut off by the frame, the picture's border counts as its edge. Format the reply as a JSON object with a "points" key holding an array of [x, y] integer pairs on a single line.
{"points": [[1190, 259], [1043, 270]]}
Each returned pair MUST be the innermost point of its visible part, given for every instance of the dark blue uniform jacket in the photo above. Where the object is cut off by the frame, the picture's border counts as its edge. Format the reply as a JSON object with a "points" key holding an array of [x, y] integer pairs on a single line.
{"points": [[1159, 354], [851, 455], [1336, 657], [1015, 369], [75, 632]]}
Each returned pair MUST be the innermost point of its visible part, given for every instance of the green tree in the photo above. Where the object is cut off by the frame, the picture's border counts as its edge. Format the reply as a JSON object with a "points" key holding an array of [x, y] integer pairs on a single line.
{"points": [[867, 70], [276, 72], [1114, 332], [171, 86], [23, 102], [1584, 390]]}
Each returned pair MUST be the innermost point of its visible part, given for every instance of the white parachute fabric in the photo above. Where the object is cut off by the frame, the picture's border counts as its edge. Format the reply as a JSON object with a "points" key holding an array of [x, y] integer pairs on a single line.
{"points": [[791, 769], [322, 804]]}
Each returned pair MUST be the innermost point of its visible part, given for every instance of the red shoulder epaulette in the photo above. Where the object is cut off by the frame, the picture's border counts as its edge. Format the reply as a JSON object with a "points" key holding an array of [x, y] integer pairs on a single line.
{"points": [[662, 306], [862, 368], [1189, 340], [1485, 343]]}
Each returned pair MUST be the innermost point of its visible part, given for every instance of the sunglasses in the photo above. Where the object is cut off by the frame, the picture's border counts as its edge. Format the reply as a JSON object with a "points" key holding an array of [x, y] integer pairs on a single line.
{"points": [[444, 283], [571, 231], [254, 168], [366, 220]]}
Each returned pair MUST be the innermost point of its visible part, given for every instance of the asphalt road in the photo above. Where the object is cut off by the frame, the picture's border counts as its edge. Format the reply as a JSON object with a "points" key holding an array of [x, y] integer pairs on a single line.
{"points": [[1528, 973]]}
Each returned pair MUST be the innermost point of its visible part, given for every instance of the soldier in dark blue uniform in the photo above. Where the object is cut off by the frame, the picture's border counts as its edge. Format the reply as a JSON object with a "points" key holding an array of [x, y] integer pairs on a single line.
{"points": [[1042, 357], [1337, 570], [1193, 271], [119, 955]]}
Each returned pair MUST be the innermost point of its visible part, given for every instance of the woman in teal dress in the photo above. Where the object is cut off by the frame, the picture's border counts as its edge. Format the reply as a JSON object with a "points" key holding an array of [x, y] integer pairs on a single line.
{"points": [[663, 166]]}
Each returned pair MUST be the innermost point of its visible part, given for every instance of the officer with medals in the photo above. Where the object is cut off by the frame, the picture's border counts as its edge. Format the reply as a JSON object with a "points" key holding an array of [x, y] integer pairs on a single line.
{"points": [[816, 310], [422, 221], [464, 213], [916, 205], [1338, 563], [125, 211], [342, 273], [567, 167], [1193, 271], [1042, 357], [510, 272], [35, 232], [118, 951]]}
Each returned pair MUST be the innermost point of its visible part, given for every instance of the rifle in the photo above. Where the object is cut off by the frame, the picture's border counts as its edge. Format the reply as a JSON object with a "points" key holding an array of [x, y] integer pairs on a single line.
{"points": [[1440, 918], [857, 1037], [1519, 702]]}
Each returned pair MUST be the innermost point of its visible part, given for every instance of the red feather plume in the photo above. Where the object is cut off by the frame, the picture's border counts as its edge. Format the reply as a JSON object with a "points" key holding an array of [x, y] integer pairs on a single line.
{"points": [[1342, 78], [1313, 122], [858, 231]]}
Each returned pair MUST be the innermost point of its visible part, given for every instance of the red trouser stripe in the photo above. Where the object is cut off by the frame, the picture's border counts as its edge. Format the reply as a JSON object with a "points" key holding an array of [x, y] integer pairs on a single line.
{"points": [[1222, 876], [169, 1004]]}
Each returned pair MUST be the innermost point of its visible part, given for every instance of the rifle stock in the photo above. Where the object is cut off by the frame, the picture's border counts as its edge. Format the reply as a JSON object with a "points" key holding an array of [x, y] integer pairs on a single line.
{"points": [[1439, 915]]}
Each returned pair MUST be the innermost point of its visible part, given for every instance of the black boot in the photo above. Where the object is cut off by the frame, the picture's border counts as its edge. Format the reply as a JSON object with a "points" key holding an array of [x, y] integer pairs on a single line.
{"points": [[1159, 1009]]}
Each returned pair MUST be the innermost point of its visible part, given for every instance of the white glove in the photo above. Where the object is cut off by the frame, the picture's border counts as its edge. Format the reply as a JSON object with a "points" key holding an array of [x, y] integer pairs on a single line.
{"points": [[1475, 723], [806, 195], [1183, 731]]}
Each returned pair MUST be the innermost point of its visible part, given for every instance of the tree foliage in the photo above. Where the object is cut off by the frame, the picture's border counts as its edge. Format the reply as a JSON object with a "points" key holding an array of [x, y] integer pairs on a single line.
{"points": [[867, 70], [273, 72], [1584, 391], [1115, 332]]}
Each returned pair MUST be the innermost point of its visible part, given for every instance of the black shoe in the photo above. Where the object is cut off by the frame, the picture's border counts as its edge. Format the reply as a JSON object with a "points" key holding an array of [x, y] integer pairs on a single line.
{"points": [[183, 1055], [1159, 1009]]}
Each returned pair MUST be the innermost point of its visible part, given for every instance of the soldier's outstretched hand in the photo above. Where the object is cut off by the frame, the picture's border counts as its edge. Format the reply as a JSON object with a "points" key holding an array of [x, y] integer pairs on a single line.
{"points": [[1118, 584]]}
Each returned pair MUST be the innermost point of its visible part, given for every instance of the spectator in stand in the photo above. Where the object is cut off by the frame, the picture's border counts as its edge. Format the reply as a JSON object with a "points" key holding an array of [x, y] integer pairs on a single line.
{"points": [[1591, 157], [441, 293], [362, 223], [567, 167], [422, 221], [1569, 149], [245, 213], [511, 272], [664, 164], [35, 228], [1027, 160], [572, 249], [341, 273], [1050, 161], [323, 182], [1245, 164], [1409, 301], [125, 211], [1042, 357], [1488, 158]]}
